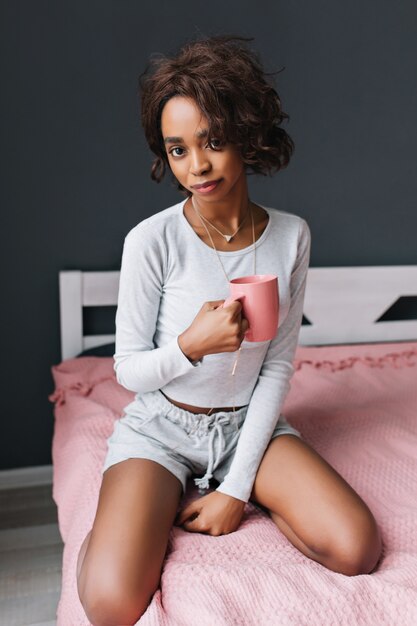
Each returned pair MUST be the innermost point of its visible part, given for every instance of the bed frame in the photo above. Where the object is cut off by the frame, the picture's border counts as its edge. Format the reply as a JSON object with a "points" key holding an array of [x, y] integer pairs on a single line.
{"points": [[342, 305]]}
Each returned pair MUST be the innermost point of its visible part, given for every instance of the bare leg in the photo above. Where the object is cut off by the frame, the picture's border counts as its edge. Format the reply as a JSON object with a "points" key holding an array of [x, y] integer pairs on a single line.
{"points": [[315, 508], [82, 552], [121, 558]]}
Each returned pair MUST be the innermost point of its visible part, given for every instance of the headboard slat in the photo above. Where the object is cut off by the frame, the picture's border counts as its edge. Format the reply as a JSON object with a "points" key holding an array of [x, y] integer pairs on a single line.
{"points": [[342, 304]]}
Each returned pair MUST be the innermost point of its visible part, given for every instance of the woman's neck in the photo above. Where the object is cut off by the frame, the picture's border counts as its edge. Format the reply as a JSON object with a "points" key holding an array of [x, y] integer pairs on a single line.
{"points": [[223, 215]]}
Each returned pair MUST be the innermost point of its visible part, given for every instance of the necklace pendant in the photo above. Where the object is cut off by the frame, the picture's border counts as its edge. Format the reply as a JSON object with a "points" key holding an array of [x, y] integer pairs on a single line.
{"points": [[228, 237]]}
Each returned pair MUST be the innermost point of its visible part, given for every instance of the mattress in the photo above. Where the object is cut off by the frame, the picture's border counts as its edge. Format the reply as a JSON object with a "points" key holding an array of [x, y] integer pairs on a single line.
{"points": [[356, 405]]}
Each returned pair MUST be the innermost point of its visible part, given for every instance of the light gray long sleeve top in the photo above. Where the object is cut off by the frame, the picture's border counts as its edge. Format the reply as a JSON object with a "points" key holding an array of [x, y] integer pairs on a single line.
{"points": [[167, 273]]}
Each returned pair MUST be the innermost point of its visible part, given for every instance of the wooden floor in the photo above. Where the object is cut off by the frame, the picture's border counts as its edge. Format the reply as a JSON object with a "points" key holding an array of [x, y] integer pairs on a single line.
{"points": [[30, 553]]}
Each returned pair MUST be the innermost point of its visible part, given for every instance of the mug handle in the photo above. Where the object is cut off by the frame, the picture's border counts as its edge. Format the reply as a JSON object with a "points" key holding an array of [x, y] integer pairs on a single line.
{"points": [[230, 299]]}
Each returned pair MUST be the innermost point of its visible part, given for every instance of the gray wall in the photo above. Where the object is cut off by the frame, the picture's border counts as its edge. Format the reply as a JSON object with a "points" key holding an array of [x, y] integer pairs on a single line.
{"points": [[76, 169]]}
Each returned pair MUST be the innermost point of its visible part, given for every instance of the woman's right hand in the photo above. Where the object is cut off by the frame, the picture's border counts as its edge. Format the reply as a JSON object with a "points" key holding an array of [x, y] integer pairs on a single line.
{"points": [[216, 329]]}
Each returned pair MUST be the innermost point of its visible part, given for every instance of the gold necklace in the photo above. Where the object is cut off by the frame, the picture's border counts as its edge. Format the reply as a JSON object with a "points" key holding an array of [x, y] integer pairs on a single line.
{"points": [[227, 278], [227, 237]]}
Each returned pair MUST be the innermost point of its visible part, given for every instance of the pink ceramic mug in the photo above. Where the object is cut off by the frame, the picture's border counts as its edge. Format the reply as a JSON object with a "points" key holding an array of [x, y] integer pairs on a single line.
{"points": [[259, 296]]}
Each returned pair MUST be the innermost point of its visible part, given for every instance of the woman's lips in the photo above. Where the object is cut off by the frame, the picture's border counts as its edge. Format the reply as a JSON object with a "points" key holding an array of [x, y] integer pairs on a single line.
{"points": [[209, 188]]}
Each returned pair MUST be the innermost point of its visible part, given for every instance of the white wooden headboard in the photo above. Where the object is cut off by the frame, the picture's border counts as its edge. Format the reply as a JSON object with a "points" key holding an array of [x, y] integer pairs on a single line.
{"points": [[341, 303]]}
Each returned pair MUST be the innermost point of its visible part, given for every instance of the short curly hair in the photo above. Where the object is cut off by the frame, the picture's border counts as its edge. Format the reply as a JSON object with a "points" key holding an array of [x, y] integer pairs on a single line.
{"points": [[229, 85]]}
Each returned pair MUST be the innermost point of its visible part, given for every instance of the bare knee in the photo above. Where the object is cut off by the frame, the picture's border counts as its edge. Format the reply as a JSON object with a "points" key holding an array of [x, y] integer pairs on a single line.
{"points": [[115, 606], [112, 612], [358, 551], [105, 594]]}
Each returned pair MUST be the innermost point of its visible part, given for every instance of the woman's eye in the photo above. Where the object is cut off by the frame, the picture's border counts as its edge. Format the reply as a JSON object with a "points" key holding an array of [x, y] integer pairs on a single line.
{"points": [[219, 143], [211, 143], [171, 151]]}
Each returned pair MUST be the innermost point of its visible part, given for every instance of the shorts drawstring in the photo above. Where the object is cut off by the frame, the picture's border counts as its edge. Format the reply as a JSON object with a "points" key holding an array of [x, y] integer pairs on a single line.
{"points": [[220, 419]]}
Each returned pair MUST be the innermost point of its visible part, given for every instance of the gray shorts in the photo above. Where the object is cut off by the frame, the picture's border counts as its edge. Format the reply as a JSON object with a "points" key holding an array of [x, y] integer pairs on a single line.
{"points": [[187, 444]]}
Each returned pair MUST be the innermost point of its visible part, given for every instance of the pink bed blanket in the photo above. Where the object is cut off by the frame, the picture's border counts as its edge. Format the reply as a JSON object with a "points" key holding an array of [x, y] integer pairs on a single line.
{"points": [[357, 406]]}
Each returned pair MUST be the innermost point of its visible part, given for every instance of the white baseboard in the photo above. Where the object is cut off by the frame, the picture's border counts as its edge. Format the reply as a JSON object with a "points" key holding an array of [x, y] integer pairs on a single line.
{"points": [[26, 477]]}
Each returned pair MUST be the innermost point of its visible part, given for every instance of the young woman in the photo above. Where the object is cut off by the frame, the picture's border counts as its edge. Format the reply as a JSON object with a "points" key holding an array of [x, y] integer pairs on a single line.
{"points": [[210, 116]]}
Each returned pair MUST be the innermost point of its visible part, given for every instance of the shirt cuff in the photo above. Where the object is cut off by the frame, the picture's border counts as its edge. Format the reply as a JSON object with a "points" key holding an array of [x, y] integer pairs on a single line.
{"points": [[185, 358], [242, 493]]}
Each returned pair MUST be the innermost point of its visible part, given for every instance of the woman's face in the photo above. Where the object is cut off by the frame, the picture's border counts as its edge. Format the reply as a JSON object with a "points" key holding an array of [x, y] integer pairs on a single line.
{"points": [[192, 160]]}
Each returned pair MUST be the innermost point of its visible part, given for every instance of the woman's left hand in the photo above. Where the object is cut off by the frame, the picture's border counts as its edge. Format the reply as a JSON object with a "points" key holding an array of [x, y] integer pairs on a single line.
{"points": [[214, 514]]}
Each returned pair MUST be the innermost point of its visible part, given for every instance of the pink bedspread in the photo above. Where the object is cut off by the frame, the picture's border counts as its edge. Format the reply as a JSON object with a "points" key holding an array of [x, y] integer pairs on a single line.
{"points": [[357, 406]]}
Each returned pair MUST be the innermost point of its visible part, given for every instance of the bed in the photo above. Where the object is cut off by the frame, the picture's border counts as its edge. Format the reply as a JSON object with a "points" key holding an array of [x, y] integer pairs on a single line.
{"points": [[353, 397]]}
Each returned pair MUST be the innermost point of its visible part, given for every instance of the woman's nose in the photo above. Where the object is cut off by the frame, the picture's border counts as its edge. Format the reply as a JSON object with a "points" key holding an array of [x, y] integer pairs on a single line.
{"points": [[199, 164]]}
